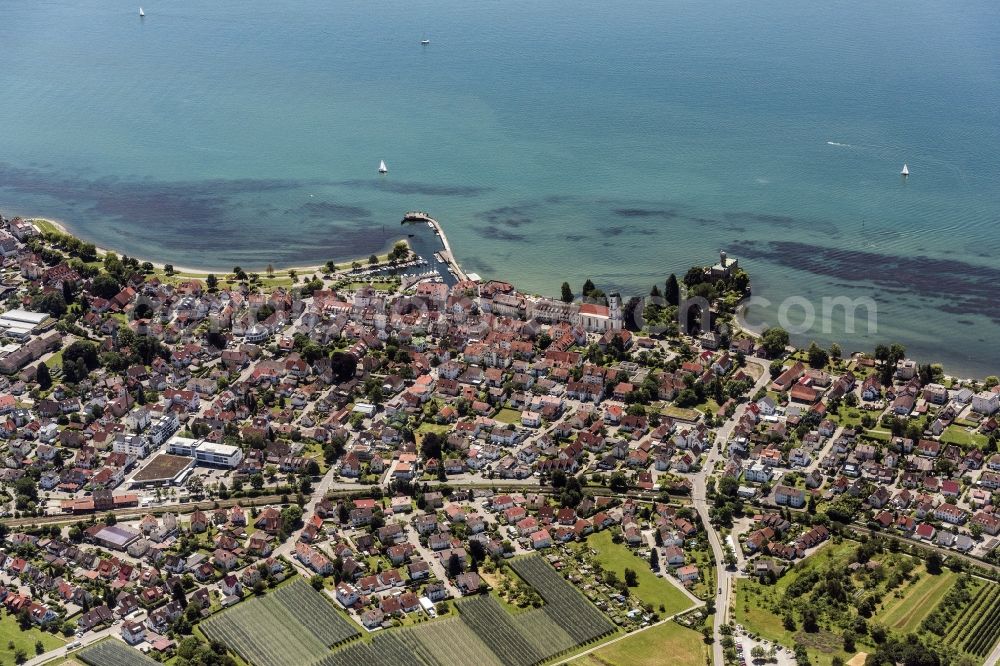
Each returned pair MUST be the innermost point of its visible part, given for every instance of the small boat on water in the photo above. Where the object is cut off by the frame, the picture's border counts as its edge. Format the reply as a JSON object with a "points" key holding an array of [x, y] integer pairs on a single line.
{"points": [[425, 41], [141, 13], [905, 172], [382, 168]]}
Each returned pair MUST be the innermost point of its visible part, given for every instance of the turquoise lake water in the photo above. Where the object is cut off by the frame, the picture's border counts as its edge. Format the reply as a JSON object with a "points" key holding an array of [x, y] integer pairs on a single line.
{"points": [[554, 140]]}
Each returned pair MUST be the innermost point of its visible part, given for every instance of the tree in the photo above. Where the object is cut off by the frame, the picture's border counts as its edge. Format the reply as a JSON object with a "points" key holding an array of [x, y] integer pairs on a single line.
{"points": [[694, 276], [810, 623], [317, 582], [343, 365], [42, 377], [774, 341], [567, 293], [618, 483], [212, 282], [672, 292], [105, 286], [588, 287], [818, 357], [54, 303], [631, 577], [179, 596], [168, 269], [85, 351], [934, 562], [373, 260], [836, 353], [454, 565], [558, 479]]}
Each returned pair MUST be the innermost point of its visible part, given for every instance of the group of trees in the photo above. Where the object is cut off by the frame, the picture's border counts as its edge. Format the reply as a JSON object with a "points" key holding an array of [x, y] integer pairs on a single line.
{"points": [[774, 340]]}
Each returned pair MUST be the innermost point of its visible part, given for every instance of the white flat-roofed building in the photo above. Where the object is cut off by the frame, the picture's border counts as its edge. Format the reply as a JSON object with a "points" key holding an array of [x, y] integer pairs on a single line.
{"points": [[134, 445], [182, 446], [20, 323], [364, 408], [163, 427], [222, 455]]}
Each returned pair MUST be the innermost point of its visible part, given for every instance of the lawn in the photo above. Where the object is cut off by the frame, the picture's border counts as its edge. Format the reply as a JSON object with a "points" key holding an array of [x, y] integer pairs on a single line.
{"points": [[647, 648], [680, 413], [917, 601], [848, 417], [25, 640], [651, 589], [753, 601], [55, 359], [507, 415], [964, 438], [749, 612], [880, 435], [427, 426]]}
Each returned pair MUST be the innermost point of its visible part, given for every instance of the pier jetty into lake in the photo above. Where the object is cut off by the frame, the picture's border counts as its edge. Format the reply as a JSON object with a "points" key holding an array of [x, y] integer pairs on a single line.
{"points": [[418, 217]]}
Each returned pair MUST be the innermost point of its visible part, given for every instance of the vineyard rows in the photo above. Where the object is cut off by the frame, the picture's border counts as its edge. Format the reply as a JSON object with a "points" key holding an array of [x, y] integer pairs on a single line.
{"points": [[113, 652], [958, 629], [485, 634], [316, 613], [986, 631], [293, 625], [563, 603]]}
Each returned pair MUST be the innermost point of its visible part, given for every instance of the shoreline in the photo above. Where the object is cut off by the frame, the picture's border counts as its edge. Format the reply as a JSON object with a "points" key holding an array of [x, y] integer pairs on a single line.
{"points": [[187, 271]]}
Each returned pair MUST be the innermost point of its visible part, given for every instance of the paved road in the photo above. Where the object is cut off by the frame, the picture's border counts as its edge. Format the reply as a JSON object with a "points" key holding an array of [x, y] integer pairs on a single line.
{"points": [[308, 509], [90, 637], [726, 579]]}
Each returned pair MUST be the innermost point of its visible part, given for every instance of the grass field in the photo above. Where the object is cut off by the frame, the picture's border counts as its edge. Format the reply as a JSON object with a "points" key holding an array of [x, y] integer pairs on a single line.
{"points": [[880, 435], [507, 415], [681, 414], [684, 646], [651, 589], [25, 640], [426, 427], [964, 438], [917, 601]]}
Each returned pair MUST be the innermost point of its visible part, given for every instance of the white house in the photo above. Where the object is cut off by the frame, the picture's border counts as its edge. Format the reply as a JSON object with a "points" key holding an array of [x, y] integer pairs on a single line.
{"points": [[986, 402], [758, 473]]}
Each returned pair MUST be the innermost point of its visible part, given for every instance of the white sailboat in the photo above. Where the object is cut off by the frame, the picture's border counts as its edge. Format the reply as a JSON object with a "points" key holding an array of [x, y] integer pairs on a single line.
{"points": [[141, 13], [425, 41], [905, 172], [382, 168]]}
